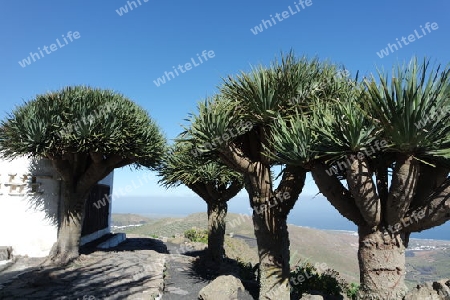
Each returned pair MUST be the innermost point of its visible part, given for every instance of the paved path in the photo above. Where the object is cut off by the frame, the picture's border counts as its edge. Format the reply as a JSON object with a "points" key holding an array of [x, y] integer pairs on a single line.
{"points": [[130, 271], [187, 274], [181, 281], [139, 268]]}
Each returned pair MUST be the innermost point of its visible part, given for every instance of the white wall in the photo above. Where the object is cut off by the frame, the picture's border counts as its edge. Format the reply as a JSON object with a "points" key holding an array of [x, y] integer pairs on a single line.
{"points": [[29, 228]]}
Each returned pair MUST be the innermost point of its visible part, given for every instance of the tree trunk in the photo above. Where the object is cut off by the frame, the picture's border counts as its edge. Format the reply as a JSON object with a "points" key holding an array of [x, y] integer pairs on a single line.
{"points": [[273, 249], [70, 224], [217, 211], [381, 264]]}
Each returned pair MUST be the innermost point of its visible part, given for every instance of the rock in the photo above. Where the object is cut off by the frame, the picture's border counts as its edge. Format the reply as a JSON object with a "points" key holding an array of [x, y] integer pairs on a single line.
{"points": [[312, 297], [223, 288], [316, 295], [178, 240], [438, 290], [196, 246], [6, 253]]}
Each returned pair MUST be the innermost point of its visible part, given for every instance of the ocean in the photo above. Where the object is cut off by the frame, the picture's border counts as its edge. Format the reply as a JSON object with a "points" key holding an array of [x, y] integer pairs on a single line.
{"points": [[309, 211]]}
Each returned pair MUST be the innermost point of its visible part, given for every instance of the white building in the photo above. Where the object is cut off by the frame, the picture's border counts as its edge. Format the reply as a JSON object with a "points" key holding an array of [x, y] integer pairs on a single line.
{"points": [[30, 193]]}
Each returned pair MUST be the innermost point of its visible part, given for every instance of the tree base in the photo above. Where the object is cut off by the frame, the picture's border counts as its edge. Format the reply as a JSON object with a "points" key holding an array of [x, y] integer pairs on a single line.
{"points": [[382, 265], [59, 256]]}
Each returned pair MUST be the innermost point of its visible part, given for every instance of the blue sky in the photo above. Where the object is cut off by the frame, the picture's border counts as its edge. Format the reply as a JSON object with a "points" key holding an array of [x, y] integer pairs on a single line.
{"points": [[127, 53]]}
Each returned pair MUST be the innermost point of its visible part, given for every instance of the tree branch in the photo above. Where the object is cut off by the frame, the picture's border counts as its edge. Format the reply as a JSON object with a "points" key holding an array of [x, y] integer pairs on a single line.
{"points": [[232, 190], [430, 178], [96, 157], [337, 194], [213, 193], [235, 159], [115, 160], [403, 187], [290, 187], [97, 171], [200, 189], [435, 213], [363, 190], [63, 167], [382, 177]]}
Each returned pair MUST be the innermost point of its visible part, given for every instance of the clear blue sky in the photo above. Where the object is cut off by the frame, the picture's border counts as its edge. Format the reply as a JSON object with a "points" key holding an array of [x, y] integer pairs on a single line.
{"points": [[127, 53]]}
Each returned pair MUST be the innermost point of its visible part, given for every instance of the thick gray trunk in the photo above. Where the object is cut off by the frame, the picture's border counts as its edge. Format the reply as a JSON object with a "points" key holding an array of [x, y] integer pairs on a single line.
{"points": [[217, 212], [381, 264], [66, 248], [273, 248]]}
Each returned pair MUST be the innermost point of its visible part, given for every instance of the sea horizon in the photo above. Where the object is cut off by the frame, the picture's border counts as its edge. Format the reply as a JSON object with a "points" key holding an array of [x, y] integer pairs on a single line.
{"points": [[310, 211]]}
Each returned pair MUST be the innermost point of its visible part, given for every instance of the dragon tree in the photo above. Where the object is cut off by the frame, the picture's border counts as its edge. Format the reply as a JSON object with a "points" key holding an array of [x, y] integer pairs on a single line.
{"points": [[237, 124], [86, 133], [210, 179], [388, 139]]}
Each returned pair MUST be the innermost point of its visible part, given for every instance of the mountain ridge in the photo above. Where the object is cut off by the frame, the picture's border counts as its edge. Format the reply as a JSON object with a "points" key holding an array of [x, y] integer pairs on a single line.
{"points": [[426, 260]]}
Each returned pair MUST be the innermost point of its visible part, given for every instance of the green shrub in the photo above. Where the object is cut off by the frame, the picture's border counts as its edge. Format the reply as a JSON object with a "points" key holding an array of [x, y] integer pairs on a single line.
{"points": [[197, 235], [352, 290], [305, 278]]}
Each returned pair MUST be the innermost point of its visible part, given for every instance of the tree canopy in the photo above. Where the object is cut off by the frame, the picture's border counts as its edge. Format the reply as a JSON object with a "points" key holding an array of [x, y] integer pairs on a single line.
{"points": [[82, 120]]}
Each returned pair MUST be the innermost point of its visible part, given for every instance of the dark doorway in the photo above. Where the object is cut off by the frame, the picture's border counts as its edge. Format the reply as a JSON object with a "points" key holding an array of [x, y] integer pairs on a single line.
{"points": [[96, 209]]}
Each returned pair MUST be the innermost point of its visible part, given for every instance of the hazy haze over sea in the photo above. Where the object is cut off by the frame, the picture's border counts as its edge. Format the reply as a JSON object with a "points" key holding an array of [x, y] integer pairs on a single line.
{"points": [[310, 211]]}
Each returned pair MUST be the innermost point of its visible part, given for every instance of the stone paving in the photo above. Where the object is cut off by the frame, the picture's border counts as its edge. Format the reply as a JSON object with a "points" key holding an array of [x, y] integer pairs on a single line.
{"points": [[181, 281], [186, 288], [133, 270], [139, 268]]}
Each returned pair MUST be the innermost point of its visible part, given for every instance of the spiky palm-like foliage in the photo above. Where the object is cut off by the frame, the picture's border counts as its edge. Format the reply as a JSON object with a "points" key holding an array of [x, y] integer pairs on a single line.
{"points": [[412, 109], [212, 180], [398, 126], [86, 133], [250, 103], [180, 166], [82, 120]]}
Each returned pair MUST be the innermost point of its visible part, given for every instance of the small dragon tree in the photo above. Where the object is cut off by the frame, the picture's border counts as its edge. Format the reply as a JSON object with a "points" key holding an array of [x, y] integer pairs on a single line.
{"points": [[86, 133], [237, 124], [212, 180], [402, 129]]}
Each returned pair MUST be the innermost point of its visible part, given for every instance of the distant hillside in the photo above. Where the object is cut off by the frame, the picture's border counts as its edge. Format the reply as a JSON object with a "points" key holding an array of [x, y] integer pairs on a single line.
{"points": [[427, 260], [128, 219]]}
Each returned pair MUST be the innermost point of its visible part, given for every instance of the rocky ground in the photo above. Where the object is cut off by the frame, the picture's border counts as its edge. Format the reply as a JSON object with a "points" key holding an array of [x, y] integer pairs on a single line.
{"points": [[133, 270], [148, 268], [139, 268]]}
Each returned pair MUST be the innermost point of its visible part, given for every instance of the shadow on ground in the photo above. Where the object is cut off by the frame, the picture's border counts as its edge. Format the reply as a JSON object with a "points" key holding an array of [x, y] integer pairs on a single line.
{"points": [[129, 271], [130, 244], [206, 270]]}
